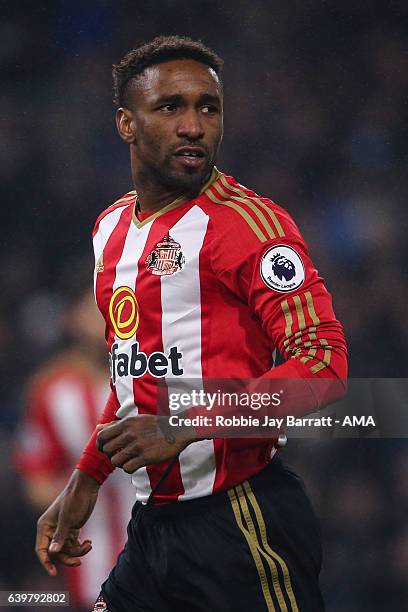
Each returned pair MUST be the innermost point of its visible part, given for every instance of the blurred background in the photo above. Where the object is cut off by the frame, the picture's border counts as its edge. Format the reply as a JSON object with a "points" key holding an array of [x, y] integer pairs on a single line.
{"points": [[315, 118]]}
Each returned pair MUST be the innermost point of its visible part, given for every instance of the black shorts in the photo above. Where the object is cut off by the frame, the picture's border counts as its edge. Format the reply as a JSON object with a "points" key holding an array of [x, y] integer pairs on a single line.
{"points": [[253, 548]]}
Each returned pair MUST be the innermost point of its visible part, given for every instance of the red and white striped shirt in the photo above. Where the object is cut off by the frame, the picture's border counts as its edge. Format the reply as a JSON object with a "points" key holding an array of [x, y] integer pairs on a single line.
{"points": [[207, 288]]}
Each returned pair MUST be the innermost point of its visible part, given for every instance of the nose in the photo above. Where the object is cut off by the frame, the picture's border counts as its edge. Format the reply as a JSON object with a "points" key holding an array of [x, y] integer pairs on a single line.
{"points": [[190, 125]]}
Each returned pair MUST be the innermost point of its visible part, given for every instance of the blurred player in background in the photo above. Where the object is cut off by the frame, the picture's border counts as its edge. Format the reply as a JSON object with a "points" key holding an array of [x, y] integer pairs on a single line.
{"points": [[63, 402]]}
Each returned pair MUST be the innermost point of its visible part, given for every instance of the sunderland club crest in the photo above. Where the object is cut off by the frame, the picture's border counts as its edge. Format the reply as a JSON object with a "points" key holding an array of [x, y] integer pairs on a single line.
{"points": [[100, 605], [166, 258]]}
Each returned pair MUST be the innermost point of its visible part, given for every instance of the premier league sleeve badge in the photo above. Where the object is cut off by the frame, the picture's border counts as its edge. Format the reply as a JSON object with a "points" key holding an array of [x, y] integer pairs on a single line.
{"points": [[282, 269]]}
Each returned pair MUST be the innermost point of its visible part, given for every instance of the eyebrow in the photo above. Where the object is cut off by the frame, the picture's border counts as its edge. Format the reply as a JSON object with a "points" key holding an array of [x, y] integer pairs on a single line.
{"points": [[204, 98]]}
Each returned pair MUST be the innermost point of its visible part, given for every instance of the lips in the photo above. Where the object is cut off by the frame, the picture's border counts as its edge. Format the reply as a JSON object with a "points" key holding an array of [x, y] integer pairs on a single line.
{"points": [[190, 156]]}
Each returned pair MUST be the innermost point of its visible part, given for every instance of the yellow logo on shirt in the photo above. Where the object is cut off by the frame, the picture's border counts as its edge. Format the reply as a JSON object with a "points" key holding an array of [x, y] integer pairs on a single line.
{"points": [[124, 312]]}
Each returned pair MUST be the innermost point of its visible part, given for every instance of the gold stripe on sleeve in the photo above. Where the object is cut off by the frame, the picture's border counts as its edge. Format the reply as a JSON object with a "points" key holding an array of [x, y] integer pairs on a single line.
{"points": [[273, 554], [264, 222], [240, 210], [326, 357], [272, 215], [311, 308], [288, 319], [299, 312], [298, 337], [312, 352], [125, 199], [253, 546], [310, 333]]}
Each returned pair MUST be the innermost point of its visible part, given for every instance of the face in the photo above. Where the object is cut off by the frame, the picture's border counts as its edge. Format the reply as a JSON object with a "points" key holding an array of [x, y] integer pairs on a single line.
{"points": [[174, 125]]}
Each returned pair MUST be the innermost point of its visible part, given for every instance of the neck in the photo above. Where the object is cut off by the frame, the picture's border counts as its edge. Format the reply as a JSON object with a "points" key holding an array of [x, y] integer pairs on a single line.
{"points": [[152, 195], [152, 200]]}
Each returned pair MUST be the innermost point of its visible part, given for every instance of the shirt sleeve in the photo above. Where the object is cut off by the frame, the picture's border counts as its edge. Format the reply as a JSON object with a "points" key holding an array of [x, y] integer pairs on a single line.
{"points": [[278, 280], [92, 461]]}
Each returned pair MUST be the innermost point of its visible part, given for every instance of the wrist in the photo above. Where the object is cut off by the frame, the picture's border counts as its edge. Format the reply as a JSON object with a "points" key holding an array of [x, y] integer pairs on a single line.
{"points": [[177, 434], [83, 481]]}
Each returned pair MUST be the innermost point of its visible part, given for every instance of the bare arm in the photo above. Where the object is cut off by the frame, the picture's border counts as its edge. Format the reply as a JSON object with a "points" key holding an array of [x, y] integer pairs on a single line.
{"points": [[58, 528]]}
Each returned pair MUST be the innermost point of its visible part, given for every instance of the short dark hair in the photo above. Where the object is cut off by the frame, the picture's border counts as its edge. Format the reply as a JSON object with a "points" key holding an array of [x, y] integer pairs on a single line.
{"points": [[160, 49]]}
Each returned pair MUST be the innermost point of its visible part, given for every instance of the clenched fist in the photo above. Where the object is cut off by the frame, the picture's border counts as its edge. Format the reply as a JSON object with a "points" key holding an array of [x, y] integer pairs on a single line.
{"points": [[135, 442]]}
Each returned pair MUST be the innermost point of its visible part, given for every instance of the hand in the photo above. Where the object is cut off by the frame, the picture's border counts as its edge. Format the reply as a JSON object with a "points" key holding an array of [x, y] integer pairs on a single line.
{"points": [[58, 528], [135, 442]]}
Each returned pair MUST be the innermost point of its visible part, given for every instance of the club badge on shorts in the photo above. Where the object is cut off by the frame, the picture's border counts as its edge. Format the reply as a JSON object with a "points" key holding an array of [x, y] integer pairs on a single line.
{"points": [[166, 258], [282, 268]]}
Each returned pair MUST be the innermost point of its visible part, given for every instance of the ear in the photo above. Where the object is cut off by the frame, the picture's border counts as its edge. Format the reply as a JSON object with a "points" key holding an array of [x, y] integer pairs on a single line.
{"points": [[125, 124]]}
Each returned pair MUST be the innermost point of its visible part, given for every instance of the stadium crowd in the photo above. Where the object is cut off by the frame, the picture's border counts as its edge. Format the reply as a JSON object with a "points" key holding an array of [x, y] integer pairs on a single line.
{"points": [[315, 118]]}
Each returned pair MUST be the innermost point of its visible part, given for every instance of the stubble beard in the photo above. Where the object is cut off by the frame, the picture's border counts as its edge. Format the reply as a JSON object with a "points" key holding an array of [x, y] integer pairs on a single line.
{"points": [[183, 181], [186, 181]]}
